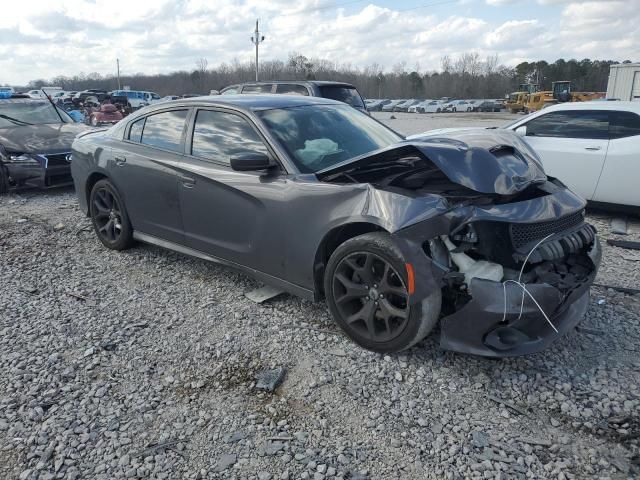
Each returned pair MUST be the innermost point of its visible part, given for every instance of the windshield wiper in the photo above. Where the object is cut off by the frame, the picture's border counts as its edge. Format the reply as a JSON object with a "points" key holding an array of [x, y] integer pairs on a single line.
{"points": [[15, 120]]}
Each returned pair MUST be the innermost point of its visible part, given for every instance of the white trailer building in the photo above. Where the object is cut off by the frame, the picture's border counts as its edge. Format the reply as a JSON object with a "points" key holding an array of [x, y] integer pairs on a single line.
{"points": [[624, 82]]}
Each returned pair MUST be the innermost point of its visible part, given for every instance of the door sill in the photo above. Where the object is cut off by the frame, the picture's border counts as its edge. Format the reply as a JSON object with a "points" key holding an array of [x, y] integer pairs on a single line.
{"points": [[263, 277]]}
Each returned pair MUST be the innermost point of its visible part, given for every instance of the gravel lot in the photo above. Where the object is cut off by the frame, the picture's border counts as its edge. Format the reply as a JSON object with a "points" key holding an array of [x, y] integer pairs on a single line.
{"points": [[411, 123], [142, 364]]}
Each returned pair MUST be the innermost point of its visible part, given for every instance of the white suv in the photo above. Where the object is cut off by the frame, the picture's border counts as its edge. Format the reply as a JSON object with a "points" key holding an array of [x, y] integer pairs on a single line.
{"points": [[137, 98]]}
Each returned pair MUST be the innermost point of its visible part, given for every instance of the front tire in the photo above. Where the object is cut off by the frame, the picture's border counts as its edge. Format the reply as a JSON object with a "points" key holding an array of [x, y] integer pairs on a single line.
{"points": [[109, 216], [366, 289], [4, 180]]}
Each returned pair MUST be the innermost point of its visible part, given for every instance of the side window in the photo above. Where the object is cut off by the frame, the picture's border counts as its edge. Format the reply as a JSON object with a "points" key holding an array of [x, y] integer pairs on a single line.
{"points": [[220, 135], [164, 130], [291, 89], [591, 124], [262, 88], [230, 91], [623, 124], [135, 132]]}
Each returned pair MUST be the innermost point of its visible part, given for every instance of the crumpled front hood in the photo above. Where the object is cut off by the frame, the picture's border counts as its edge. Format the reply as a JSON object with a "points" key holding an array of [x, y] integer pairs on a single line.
{"points": [[491, 162], [48, 138]]}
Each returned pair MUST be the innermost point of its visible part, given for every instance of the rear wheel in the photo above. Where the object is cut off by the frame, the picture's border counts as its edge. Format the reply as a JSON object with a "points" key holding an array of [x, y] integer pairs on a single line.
{"points": [[109, 216], [366, 288], [439, 110]]}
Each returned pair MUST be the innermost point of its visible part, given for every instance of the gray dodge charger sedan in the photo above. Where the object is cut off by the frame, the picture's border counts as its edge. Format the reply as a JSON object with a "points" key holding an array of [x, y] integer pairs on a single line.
{"points": [[322, 201]]}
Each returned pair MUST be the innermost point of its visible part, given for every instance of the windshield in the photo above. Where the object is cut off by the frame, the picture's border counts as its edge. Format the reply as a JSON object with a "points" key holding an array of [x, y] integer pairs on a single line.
{"points": [[20, 112], [347, 95], [320, 136]]}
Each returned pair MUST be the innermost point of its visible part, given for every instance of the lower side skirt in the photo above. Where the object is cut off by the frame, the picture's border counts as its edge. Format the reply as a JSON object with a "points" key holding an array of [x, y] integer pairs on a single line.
{"points": [[258, 275]]}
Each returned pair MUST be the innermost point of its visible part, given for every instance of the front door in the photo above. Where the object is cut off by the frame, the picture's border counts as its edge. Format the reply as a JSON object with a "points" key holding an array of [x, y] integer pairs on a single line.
{"points": [[231, 215], [144, 171], [572, 145], [619, 180]]}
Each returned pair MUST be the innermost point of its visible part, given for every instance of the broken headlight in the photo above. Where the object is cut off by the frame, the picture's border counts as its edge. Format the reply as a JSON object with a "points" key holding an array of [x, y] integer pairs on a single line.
{"points": [[22, 158]]}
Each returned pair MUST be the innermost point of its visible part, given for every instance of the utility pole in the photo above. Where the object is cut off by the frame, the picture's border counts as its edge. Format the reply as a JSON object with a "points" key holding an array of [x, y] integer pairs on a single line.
{"points": [[257, 40], [118, 68]]}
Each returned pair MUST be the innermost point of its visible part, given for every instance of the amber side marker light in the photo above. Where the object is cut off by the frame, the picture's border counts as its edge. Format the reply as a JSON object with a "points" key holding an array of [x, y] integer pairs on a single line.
{"points": [[411, 279]]}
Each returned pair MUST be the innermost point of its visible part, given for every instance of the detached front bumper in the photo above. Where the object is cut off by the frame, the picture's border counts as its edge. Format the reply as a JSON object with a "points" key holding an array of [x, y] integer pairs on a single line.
{"points": [[492, 323]]}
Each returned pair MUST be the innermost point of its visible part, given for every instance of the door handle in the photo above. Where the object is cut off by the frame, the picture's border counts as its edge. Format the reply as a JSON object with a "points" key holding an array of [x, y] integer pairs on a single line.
{"points": [[593, 148], [188, 182], [120, 160]]}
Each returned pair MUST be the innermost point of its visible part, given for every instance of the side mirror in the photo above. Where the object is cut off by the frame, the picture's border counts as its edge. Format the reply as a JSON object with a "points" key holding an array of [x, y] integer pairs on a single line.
{"points": [[522, 130], [251, 161]]}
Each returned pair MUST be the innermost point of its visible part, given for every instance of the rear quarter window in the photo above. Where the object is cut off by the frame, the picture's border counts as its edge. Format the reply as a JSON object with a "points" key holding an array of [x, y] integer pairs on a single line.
{"points": [[264, 88], [347, 95], [623, 124], [291, 89]]}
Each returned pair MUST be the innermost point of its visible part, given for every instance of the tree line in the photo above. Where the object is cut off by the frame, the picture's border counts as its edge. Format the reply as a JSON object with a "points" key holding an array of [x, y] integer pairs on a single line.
{"points": [[466, 76]]}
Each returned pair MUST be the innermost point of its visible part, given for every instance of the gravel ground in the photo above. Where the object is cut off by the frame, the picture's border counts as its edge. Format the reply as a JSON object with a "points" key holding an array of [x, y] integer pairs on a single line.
{"points": [[142, 364], [412, 123]]}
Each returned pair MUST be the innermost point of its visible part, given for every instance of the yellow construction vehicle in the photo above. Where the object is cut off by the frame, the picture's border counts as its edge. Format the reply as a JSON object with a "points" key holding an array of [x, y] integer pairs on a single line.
{"points": [[560, 92], [517, 99], [539, 100]]}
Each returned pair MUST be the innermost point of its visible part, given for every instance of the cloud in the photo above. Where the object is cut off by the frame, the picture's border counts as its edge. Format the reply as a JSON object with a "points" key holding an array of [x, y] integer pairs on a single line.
{"points": [[42, 40]]}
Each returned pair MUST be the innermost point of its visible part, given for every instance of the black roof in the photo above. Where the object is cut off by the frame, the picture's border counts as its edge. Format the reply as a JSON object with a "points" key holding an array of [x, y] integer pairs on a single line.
{"points": [[248, 102], [319, 83]]}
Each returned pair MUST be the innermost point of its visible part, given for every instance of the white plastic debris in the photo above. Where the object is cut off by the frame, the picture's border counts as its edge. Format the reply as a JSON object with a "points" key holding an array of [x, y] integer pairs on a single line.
{"points": [[473, 268]]}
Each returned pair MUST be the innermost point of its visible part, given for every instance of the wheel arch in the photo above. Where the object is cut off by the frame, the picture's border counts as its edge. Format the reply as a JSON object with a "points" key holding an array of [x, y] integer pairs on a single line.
{"points": [[332, 240], [92, 179]]}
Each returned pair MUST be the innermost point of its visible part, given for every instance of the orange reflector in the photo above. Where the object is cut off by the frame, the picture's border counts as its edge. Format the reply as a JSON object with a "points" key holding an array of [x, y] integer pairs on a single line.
{"points": [[411, 279]]}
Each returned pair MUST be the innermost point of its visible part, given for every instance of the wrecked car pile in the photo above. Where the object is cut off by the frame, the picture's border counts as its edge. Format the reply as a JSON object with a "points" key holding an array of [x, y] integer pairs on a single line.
{"points": [[35, 143]]}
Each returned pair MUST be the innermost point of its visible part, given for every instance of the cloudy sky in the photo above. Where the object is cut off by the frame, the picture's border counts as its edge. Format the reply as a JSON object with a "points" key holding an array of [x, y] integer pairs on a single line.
{"points": [[45, 38]]}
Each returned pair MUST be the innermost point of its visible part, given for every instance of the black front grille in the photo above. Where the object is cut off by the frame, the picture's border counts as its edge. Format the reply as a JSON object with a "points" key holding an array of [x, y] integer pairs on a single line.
{"points": [[57, 159], [524, 233]]}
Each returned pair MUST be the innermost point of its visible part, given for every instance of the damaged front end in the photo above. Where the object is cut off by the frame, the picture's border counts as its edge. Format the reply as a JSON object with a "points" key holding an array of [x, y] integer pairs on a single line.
{"points": [[513, 280], [508, 246]]}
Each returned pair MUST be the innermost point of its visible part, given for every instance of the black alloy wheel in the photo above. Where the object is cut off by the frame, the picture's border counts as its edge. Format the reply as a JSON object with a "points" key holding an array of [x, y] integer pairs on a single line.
{"points": [[109, 217], [371, 296]]}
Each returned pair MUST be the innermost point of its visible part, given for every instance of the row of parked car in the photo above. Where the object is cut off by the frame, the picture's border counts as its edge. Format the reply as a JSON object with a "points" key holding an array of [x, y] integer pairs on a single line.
{"points": [[443, 105], [134, 99]]}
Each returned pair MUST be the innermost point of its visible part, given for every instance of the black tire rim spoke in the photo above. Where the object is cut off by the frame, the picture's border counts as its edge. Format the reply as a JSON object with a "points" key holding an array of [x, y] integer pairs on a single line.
{"points": [[371, 296], [107, 215]]}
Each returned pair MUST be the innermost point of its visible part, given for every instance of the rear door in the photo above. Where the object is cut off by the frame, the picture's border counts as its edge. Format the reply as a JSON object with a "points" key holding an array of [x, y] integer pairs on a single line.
{"points": [[619, 180], [144, 171], [572, 145], [228, 214]]}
